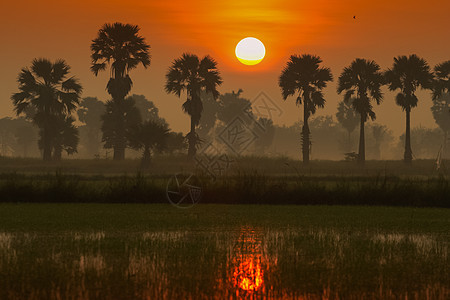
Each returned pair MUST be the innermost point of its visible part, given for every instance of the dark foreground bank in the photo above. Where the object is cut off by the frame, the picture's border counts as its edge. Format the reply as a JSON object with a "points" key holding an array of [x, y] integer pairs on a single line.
{"points": [[243, 188]]}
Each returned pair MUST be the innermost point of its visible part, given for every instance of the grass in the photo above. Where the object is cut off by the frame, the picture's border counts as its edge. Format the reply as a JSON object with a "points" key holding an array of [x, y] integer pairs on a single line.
{"points": [[270, 166], [118, 251], [242, 188]]}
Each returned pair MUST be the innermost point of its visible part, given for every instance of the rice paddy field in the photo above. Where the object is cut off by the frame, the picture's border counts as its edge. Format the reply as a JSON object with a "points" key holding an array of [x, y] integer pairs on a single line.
{"points": [[156, 251], [262, 229]]}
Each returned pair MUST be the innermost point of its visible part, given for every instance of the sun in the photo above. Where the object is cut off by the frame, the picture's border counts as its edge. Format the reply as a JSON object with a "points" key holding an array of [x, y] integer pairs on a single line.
{"points": [[250, 51]]}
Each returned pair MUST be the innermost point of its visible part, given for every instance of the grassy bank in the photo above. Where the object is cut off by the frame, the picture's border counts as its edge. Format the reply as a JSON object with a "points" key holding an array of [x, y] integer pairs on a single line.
{"points": [[242, 188], [115, 251], [270, 166], [248, 180]]}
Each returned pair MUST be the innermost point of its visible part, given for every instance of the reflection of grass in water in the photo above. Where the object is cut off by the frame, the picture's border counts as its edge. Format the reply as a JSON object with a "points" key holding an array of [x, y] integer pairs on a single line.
{"points": [[156, 251]]}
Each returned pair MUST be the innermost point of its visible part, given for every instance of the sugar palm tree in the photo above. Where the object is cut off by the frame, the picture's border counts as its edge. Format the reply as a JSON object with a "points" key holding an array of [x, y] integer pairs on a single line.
{"points": [[47, 87], [122, 48], [193, 75], [149, 136], [442, 80], [304, 76], [362, 82], [348, 118], [66, 137], [407, 75]]}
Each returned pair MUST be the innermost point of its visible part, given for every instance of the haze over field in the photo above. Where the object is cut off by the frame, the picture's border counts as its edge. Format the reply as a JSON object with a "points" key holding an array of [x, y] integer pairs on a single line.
{"points": [[380, 30]]}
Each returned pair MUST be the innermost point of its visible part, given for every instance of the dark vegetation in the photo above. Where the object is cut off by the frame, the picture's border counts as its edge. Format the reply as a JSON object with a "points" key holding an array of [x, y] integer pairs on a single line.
{"points": [[48, 97], [275, 181]]}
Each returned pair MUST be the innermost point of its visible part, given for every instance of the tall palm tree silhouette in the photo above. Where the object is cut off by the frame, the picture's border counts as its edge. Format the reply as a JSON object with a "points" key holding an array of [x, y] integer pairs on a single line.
{"points": [[442, 80], [192, 75], [362, 82], [303, 75], [122, 48], [47, 87], [407, 75]]}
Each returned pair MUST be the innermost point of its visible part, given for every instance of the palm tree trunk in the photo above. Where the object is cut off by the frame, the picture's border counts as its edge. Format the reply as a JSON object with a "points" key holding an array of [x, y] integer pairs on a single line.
{"points": [[408, 151], [146, 158], [47, 151], [119, 149], [192, 150], [362, 143], [305, 134], [57, 153], [444, 150], [120, 143], [349, 142]]}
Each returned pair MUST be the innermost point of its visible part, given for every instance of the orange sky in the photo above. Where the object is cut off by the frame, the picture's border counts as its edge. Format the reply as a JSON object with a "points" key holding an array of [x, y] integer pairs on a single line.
{"points": [[382, 30]]}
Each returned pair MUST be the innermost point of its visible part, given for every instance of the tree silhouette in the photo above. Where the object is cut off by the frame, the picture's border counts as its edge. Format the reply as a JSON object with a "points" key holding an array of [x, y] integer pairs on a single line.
{"points": [[47, 87], [147, 109], [66, 137], [16, 136], [441, 114], [362, 82], [89, 112], [348, 118], [407, 75], [191, 75], [150, 136], [264, 140], [122, 48], [303, 75], [380, 133], [209, 115], [118, 120], [442, 80], [232, 105], [175, 142], [25, 134]]}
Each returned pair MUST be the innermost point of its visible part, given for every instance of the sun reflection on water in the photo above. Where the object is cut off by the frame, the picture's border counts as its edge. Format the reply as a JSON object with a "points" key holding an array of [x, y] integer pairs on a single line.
{"points": [[247, 262]]}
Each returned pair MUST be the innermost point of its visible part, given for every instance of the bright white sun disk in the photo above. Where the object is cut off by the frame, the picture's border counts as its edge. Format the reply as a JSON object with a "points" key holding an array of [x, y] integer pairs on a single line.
{"points": [[250, 51]]}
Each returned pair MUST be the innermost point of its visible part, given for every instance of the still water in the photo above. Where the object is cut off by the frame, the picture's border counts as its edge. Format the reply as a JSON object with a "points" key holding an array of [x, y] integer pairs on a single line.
{"points": [[243, 262]]}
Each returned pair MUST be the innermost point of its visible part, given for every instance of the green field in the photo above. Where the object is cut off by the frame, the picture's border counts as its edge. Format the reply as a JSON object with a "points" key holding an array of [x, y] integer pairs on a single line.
{"points": [[156, 251]]}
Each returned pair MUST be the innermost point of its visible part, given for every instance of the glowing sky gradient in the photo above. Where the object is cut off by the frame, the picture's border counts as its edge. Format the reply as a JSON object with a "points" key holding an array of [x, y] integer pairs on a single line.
{"points": [[382, 29]]}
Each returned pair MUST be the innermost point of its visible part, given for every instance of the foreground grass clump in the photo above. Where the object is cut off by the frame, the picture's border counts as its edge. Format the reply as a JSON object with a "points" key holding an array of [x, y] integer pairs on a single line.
{"points": [[242, 188], [116, 251]]}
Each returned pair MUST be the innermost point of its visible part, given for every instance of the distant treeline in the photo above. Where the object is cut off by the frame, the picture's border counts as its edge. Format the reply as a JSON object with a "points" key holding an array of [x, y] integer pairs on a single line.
{"points": [[333, 137], [49, 97]]}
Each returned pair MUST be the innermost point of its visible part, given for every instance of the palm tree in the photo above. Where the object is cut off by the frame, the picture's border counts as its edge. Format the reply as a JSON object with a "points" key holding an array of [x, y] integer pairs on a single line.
{"points": [[348, 118], [149, 136], [193, 75], [362, 82], [66, 137], [304, 76], [442, 82], [406, 75], [119, 46], [47, 87]]}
